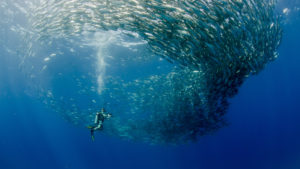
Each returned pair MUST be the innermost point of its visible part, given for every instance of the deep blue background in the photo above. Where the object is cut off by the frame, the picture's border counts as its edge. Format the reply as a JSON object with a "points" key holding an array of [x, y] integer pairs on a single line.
{"points": [[264, 130]]}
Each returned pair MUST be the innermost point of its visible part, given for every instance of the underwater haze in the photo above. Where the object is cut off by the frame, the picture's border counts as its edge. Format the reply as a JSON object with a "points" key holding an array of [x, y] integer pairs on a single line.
{"points": [[206, 84]]}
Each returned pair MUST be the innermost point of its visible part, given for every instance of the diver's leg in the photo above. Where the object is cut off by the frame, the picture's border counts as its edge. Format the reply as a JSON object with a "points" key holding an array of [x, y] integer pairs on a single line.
{"points": [[92, 135], [99, 126]]}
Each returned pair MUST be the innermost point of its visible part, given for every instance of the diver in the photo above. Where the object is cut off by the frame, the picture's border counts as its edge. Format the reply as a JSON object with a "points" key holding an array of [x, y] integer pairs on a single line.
{"points": [[99, 119]]}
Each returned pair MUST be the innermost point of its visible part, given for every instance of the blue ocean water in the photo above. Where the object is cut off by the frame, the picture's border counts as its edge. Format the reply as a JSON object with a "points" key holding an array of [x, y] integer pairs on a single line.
{"points": [[263, 131]]}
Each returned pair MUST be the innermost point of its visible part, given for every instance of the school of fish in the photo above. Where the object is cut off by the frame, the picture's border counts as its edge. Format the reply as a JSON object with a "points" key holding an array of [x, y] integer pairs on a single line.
{"points": [[215, 45]]}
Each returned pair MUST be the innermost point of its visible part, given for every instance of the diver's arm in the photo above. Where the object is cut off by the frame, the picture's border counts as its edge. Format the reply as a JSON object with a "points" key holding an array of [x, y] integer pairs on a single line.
{"points": [[108, 115]]}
